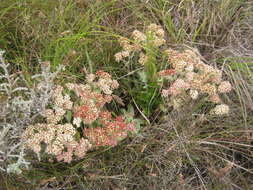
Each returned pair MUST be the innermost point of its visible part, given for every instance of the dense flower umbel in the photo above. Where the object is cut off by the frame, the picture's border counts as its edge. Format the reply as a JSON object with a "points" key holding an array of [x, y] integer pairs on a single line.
{"points": [[87, 108], [93, 96], [220, 109], [78, 149], [192, 77], [91, 108], [112, 131], [61, 104], [56, 138], [154, 35]]}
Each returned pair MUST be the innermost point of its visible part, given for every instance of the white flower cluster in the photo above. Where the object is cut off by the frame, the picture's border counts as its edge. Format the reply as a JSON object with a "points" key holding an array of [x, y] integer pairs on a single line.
{"points": [[61, 105], [221, 109], [154, 34], [107, 85], [191, 77], [56, 136], [61, 101], [157, 35]]}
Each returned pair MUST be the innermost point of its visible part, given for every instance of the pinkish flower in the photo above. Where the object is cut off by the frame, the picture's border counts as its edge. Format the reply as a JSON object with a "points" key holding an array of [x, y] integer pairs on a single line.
{"points": [[65, 157], [224, 87], [165, 93], [112, 131], [167, 72], [82, 147], [214, 98], [88, 113], [178, 86]]}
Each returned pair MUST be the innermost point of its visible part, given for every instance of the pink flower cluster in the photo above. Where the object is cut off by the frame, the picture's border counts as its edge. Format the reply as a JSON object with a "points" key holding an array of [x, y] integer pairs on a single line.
{"points": [[93, 96], [87, 108], [190, 77], [78, 149], [112, 130]]}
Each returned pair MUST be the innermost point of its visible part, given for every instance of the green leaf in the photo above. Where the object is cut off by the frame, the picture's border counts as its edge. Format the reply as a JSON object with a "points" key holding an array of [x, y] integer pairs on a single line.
{"points": [[69, 116]]}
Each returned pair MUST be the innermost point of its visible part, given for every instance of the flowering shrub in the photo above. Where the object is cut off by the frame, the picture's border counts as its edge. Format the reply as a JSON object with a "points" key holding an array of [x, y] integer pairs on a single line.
{"points": [[20, 105], [143, 43], [82, 106], [186, 76], [190, 77]]}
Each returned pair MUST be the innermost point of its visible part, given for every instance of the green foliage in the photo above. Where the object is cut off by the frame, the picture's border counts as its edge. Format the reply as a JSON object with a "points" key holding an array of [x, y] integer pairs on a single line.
{"points": [[146, 88], [68, 116], [150, 66], [147, 95]]}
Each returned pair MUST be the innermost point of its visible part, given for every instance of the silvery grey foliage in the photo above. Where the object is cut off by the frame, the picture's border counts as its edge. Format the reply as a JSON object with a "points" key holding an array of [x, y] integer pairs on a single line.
{"points": [[20, 106]]}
